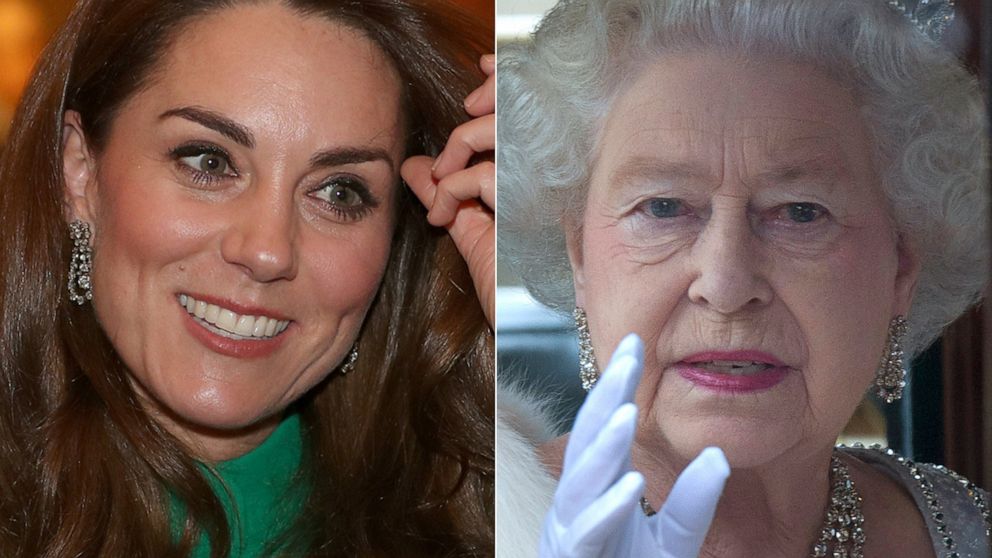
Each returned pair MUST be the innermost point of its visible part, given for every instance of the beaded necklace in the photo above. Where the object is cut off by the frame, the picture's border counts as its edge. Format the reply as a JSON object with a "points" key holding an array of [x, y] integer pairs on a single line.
{"points": [[842, 534]]}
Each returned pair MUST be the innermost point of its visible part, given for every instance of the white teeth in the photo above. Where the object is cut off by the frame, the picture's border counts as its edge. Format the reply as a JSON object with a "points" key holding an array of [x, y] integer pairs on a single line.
{"points": [[246, 325], [230, 322], [259, 329], [227, 320], [734, 367], [213, 311]]}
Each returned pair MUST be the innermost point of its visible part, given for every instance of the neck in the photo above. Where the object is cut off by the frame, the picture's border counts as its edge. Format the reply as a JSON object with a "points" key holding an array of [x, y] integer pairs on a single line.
{"points": [[206, 444], [772, 510]]}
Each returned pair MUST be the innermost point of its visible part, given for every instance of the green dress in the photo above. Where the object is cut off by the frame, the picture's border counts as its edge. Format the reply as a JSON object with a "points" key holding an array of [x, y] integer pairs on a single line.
{"points": [[262, 497]]}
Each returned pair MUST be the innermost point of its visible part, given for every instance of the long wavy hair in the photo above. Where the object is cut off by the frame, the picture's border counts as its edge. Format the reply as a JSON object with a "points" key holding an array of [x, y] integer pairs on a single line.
{"points": [[398, 455]]}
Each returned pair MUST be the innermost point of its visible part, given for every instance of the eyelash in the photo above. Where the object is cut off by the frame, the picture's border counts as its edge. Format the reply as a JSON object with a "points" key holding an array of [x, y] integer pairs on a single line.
{"points": [[367, 202], [200, 177], [781, 213], [366, 205]]}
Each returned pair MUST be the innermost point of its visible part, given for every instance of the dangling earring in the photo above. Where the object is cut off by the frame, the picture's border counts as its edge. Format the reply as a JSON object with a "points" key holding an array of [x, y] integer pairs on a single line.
{"points": [[81, 263], [588, 371], [348, 365], [890, 377]]}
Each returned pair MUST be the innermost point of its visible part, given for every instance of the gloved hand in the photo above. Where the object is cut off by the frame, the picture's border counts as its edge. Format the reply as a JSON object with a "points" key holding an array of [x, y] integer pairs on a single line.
{"points": [[596, 511]]}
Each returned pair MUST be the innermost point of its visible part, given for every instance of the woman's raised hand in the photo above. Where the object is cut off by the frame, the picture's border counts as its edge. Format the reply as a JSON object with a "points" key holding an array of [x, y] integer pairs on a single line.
{"points": [[596, 510], [461, 198]]}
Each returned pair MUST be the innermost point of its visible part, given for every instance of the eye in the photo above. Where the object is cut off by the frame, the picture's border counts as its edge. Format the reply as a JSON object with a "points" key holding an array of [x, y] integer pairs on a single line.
{"points": [[347, 196], [665, 208], [206, 163], [803, 212]]}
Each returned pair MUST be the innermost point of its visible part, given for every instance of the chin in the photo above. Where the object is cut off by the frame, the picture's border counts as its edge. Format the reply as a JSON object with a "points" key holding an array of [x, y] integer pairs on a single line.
{"points": [[215, 411], [747, 443]]}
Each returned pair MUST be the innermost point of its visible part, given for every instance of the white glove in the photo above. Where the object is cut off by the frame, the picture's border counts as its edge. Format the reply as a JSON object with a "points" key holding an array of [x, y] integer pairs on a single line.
{"points": [[596, 511]]}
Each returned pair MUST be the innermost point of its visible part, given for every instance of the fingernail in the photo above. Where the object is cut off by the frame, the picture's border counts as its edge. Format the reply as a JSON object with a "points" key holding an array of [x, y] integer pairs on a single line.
{"points": [[472, 98], [488, 58], [437, 163]]}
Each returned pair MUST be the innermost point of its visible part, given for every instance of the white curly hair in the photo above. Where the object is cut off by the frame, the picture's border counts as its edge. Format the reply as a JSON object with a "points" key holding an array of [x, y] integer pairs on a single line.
{"points": [[923, 109]]}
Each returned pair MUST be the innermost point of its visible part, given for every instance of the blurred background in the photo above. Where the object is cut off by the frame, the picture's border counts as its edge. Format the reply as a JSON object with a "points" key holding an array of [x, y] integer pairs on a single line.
{"points": [[945, 416], [25, 26]]}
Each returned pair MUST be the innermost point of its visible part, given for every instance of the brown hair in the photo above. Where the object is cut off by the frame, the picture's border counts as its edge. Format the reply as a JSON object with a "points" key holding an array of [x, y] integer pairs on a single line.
{"points": [[398, 454]]}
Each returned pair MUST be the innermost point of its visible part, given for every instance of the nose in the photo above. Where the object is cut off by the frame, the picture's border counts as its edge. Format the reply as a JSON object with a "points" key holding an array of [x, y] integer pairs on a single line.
{"points": [[261, 237], [728, 275]]}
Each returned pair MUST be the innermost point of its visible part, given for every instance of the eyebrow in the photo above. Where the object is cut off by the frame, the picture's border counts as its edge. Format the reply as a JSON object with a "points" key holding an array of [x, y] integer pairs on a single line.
{"points": [[821, 166], [215, 121], [652, 168], [239, 134], [350, 156]]}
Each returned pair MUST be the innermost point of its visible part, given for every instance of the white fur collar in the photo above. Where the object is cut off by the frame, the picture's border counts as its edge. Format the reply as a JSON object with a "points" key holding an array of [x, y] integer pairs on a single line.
{"points": [[524, 488]]}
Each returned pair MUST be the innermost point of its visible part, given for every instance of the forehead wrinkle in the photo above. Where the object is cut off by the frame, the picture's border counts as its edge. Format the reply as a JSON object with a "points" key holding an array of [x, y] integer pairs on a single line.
{"points": [[659, 169], [819, 160], [780, 124]]}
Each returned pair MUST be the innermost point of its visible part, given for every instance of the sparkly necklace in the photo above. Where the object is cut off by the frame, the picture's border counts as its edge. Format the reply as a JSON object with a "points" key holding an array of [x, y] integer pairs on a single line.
{"points": [[842, 534]]}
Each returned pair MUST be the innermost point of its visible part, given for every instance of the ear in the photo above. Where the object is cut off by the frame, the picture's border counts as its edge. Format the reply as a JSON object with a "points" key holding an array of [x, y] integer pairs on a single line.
{"points": [[907, 274], [573, 242], [78, 170]]}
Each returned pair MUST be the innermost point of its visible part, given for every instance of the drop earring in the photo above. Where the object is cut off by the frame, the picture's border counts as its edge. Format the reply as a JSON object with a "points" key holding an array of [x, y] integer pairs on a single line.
{"points": [[890, 378], [348, 365], [588, 371], [81, 263]]}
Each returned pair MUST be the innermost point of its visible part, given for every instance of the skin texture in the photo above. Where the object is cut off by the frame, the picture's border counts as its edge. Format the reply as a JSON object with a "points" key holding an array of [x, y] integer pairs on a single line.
{"points": [[264, 232], [690, 240]]}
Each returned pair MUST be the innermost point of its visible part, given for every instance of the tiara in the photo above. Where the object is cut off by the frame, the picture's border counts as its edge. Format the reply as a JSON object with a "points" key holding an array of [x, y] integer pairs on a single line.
{"points": [[932, 17]]}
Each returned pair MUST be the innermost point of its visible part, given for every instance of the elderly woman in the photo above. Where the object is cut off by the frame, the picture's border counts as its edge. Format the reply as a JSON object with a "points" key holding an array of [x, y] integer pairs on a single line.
{"points": [[783, 199], [264, 347]]}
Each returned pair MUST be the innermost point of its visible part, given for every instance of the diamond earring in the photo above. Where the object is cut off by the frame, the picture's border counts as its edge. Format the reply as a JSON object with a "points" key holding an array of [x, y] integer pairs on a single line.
{"points": [[80, 263], [588, 371], [348, 365], [890, 377]]}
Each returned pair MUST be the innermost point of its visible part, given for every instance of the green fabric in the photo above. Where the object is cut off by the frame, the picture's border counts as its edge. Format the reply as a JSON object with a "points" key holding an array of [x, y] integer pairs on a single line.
{"points": [[262, 497]]}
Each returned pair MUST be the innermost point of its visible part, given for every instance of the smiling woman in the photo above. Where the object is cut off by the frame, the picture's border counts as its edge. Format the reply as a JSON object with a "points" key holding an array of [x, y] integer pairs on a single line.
{"points": [[262, 331]]}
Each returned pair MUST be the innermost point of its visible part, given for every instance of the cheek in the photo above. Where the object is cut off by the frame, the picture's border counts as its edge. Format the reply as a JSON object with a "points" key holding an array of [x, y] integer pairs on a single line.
{"points": [[841, 303], [140, 230], [623, 292], [345, 273], [143, 213]]}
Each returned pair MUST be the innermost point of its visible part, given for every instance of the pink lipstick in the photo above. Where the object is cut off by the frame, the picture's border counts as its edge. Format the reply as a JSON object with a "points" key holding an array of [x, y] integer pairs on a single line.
{"points": [[732, 371]]}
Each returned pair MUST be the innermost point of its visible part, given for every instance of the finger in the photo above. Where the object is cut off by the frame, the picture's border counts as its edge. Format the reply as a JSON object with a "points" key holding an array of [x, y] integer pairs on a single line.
{"points": [[633, 346], [416, 172], [482, 100], [615, 387], [487, 62], [475, 136], [477, 181], [598, 467], [604, 517], [685, 518]]}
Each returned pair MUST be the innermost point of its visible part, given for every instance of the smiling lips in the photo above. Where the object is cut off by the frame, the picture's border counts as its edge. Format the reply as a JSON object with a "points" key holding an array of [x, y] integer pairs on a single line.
{"points": [[235, 325], [733, 371]]}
